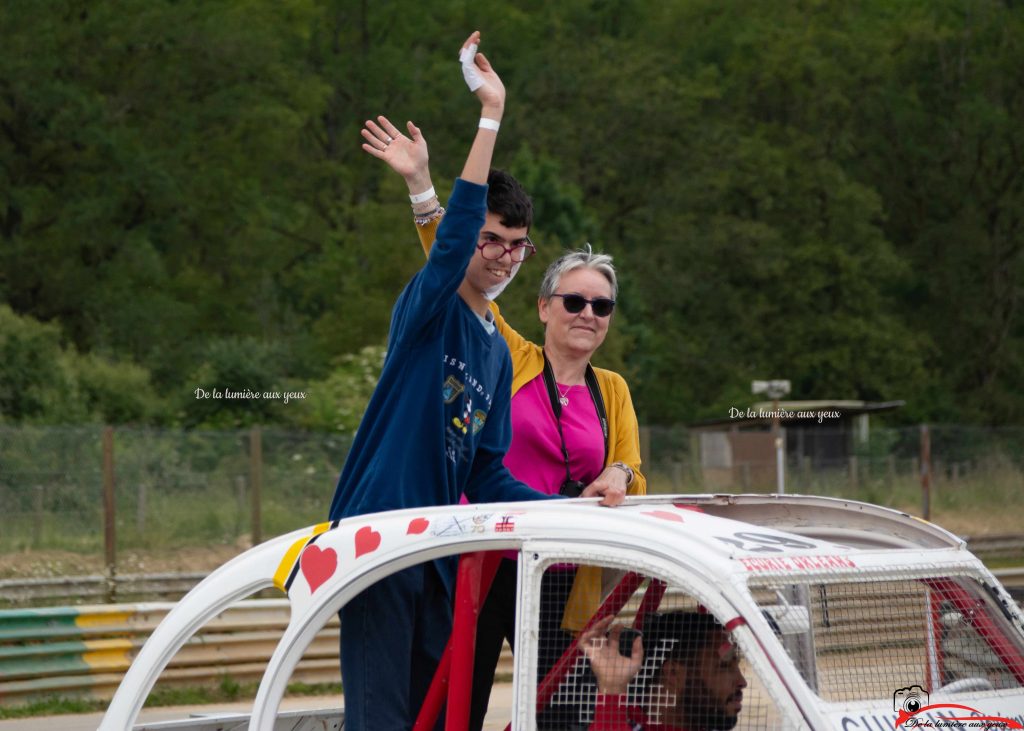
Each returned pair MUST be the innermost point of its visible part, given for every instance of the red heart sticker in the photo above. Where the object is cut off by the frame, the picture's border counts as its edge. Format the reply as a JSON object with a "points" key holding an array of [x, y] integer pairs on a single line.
{"points": [[367, 540], [318, 566], [674, 517], [417, 526]]}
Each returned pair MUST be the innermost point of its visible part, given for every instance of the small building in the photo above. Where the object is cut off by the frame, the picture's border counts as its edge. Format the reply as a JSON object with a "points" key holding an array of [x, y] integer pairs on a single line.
{"points": [[738, 451]]}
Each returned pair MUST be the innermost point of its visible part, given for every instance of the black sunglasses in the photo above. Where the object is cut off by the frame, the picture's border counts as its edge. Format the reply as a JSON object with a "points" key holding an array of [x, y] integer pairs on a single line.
{"points": [[574, 303]]}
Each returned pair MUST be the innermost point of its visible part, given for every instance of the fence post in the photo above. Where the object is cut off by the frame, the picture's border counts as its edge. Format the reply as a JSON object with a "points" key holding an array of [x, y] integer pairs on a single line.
{"points": [[255, 482], [926, 476], [140, 510], [242, 501], [109, 512], [853, 471], [37, 523], [677, 477]]}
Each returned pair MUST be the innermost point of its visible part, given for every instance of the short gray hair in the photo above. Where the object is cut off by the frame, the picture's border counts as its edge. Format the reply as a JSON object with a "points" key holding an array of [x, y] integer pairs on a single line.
{"points": [[582, 259]]}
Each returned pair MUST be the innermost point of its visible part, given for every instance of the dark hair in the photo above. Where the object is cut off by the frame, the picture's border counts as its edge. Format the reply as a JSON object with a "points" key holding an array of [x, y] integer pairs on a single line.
{"points": [[680, 635], [508, 201]]}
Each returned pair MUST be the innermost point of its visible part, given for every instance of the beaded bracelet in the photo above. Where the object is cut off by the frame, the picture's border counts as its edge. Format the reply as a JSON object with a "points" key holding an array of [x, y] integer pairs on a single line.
{"points": [[422, 219]]}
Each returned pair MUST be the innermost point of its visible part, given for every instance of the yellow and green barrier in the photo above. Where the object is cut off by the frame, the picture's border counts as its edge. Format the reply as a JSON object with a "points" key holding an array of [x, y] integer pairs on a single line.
{"points": [[85, 651]]}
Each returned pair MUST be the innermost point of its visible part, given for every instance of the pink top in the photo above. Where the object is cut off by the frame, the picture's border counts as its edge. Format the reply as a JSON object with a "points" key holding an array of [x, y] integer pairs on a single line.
{"points": [[535, 456]]}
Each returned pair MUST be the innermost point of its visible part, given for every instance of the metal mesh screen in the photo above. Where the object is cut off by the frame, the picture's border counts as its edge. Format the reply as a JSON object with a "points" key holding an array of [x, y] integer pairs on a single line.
{"points": [[685, 671], [867, 639]]}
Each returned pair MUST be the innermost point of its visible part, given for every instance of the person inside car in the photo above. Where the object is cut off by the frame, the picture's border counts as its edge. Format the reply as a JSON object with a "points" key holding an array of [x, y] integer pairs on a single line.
{"points": [[694, 668]]}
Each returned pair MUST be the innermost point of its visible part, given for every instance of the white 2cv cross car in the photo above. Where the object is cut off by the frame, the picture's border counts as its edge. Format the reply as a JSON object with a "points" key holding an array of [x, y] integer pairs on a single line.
{"points": [[840, 615]]}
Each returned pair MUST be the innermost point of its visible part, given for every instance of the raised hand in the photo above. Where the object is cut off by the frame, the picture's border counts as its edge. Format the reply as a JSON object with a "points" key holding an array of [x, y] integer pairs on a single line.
{"points": [[483, 80], [407, 156], [600, 644]]}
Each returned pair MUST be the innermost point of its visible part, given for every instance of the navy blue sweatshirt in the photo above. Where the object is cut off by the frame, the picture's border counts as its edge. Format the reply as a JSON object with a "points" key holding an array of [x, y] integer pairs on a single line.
{"points": [[438, 422]]}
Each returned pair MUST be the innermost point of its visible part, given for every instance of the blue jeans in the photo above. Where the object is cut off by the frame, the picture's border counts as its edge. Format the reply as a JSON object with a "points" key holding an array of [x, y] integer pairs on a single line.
{"points": [[392, 636]]}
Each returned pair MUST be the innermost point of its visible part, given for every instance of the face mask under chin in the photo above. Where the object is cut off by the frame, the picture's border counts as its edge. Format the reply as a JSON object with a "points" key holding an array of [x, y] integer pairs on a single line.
{"points": [[491, 293]]}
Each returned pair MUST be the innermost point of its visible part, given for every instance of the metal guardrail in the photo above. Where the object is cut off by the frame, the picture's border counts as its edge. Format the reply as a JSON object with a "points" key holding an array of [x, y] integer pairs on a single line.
{"points": [[1001, 546], [97, 587], [172, 586], [86, 650], [1013, 580]]}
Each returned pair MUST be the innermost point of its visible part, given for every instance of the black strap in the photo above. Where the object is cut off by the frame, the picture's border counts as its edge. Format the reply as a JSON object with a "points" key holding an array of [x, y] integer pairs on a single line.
{"points": [[556, 405], [595, 393]]}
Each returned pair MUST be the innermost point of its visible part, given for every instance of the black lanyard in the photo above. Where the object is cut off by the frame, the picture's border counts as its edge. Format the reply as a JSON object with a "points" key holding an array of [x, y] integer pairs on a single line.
{"points": [[556, 405]]}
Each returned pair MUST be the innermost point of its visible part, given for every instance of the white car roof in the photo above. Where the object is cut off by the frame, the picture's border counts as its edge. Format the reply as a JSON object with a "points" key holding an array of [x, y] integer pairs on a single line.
{"points": [[730, 540]]}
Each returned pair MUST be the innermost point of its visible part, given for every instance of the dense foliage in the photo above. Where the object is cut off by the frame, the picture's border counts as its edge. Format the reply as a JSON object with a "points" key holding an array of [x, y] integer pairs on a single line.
{"points": [[828, 192]]}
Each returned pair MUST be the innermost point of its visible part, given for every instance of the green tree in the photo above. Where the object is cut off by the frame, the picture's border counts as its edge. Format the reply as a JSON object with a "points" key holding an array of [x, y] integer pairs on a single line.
{"points": [[150, 166], [239, 382], [337, 402], [33, 383], [44, 381], [949, 116], [829, 192]]}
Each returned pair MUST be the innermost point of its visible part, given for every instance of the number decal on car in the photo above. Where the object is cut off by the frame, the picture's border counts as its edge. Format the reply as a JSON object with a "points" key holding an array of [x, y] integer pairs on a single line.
{"points": [[763, 542]]}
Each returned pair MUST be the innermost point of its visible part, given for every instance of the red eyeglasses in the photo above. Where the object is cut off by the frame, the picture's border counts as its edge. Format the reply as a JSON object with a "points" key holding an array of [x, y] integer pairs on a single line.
{"points": [[491, 247]]}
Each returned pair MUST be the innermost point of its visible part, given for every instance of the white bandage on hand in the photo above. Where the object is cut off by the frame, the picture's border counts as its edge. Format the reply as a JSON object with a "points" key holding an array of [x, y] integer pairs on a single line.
{"points": [[469, 70]]}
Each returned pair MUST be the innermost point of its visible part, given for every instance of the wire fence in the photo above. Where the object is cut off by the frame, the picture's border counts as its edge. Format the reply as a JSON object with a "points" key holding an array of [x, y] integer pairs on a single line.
{"points": [[930, 470], [168, 487], [93, 488]]}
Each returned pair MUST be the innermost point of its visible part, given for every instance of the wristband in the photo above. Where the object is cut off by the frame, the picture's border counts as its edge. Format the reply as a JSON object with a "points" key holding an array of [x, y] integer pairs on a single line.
{"points": [[486, 123], [422, 219], [627, 469], [424, 196]]}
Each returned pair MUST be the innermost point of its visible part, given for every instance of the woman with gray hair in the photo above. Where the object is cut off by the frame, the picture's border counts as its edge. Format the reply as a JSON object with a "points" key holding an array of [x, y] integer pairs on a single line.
{"points": [[573, 425]]}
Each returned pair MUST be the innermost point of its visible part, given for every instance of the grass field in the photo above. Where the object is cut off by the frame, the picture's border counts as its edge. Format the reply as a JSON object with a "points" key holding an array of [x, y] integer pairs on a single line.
{"points": [[198, 529], [66, 544]]}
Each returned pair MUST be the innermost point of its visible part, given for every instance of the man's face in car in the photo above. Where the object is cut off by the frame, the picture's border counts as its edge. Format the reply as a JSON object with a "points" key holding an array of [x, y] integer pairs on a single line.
{"points": [[709, 687]]}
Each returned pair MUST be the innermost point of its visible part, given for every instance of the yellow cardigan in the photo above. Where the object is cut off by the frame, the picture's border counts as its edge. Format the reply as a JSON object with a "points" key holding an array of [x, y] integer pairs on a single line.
{"points": [[623, 435]]}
